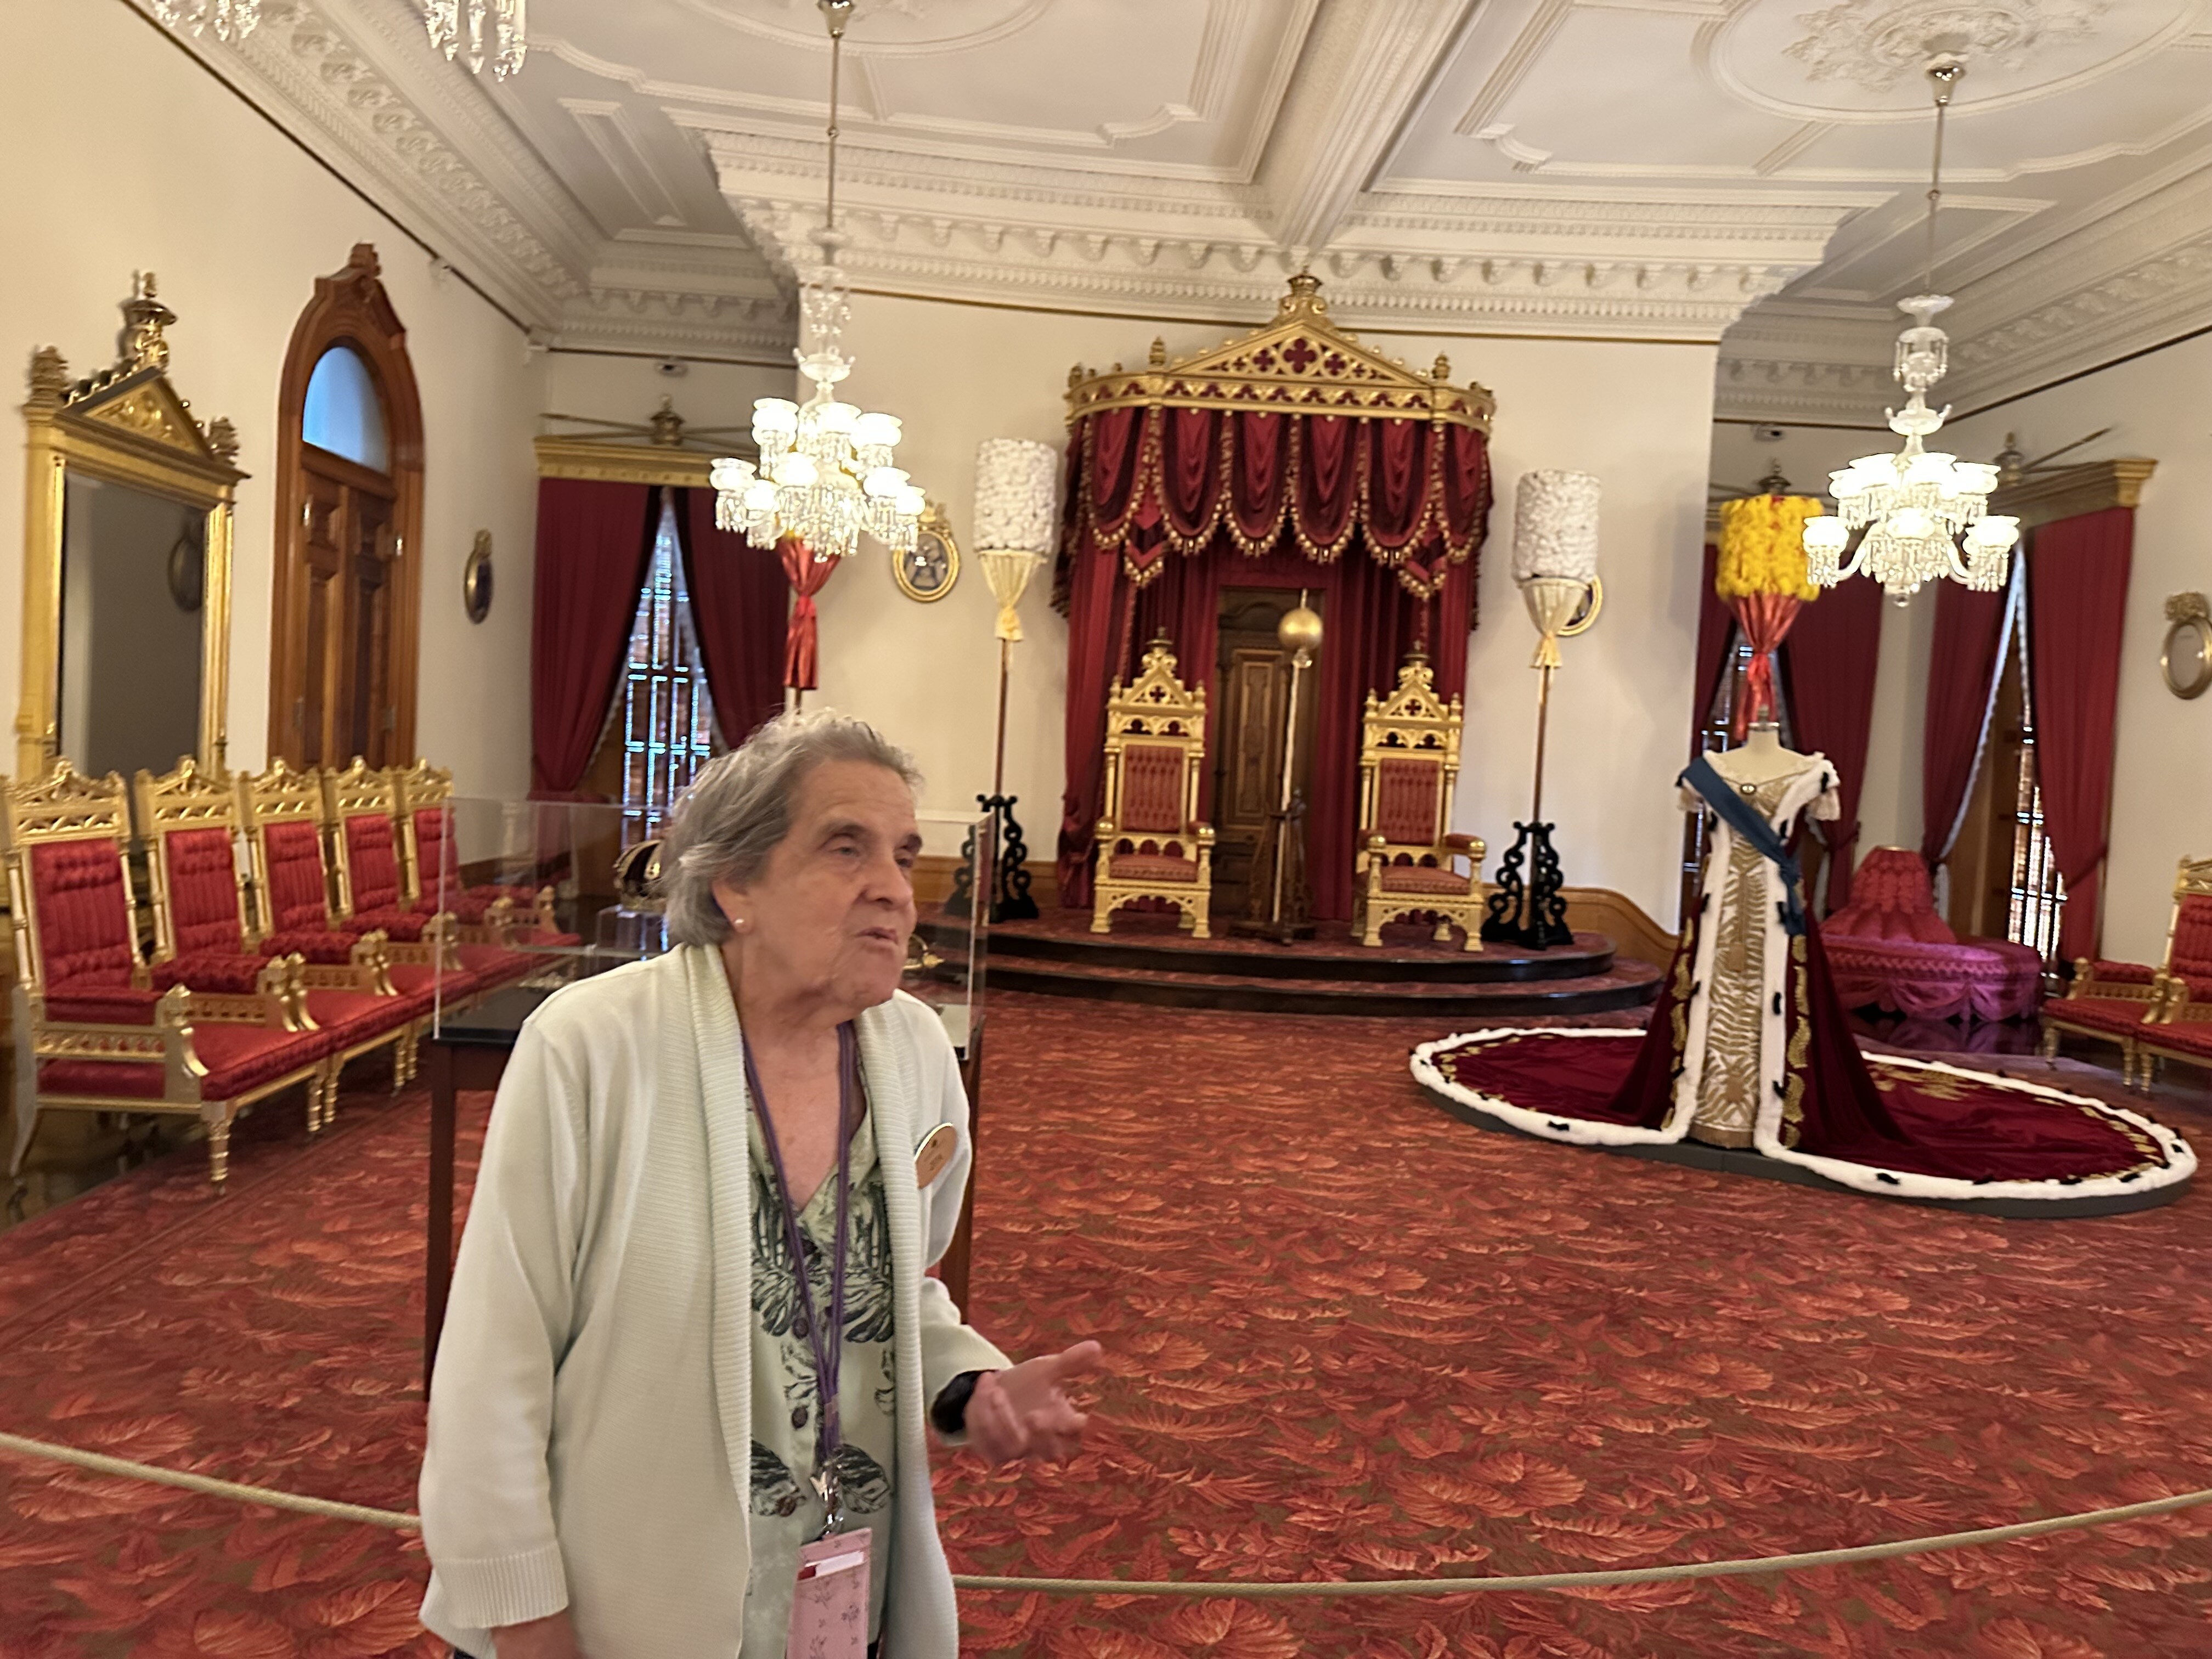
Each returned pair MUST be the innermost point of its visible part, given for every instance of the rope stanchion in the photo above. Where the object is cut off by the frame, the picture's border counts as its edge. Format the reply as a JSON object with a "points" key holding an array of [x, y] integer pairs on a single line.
{"points": [[399, 1521], [124, 1468]]}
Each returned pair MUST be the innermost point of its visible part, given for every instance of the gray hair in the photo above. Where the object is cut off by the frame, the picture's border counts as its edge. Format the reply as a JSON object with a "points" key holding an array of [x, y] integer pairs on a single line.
{"points": [[738, 810]]}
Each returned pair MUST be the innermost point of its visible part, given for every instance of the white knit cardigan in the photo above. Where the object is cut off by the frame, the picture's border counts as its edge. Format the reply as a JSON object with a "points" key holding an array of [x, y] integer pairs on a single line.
{"points": [[590, 1424]]}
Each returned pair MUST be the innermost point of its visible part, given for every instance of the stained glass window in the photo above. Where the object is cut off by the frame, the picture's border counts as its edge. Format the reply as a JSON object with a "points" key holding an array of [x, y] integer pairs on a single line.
{"points": [[667, 717]]}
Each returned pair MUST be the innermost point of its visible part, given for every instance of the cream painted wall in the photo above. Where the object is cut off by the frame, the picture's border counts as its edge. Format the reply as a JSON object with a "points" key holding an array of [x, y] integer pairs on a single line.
{"points": [[238, 223], [1639, 416], [2159, 405], [607, 387]]}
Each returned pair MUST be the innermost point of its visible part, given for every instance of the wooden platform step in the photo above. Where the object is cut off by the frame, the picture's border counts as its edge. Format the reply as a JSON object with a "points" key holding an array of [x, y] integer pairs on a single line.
{"points": [[1624, 985]]}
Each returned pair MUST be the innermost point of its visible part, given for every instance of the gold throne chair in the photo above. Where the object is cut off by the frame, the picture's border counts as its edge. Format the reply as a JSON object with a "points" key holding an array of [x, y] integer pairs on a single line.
{"points": [[1150, 844], [1406, 865]]}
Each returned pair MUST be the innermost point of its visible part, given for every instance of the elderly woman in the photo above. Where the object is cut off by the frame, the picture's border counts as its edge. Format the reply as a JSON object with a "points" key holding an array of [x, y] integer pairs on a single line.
{"points": [[680, 1403]]}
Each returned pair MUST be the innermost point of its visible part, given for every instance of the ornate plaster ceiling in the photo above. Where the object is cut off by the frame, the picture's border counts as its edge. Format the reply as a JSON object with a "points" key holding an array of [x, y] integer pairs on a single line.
{"points": [[1749, 171]]}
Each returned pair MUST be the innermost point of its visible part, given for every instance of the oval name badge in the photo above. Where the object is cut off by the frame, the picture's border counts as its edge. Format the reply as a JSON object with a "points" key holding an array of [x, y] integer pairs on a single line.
{"points": [[935, 1153]]}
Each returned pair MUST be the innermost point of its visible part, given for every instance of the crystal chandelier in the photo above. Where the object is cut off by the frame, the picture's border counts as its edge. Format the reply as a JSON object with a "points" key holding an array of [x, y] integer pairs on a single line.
{"points": [[231, 19], [825, 471], [478, 31], [1920, 514]]}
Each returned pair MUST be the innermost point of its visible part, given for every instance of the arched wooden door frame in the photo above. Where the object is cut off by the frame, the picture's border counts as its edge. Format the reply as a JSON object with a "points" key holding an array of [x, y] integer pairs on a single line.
{"points": [[350, 308]]}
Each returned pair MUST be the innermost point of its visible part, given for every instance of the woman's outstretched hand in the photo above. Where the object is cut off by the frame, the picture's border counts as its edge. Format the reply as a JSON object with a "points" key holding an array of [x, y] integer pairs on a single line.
{"points": [[1026, 1411]]}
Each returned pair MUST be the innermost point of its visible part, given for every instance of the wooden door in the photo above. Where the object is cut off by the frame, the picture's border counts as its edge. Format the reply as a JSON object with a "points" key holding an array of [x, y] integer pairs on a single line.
{"points": [[1253, 677], [339, 598]]}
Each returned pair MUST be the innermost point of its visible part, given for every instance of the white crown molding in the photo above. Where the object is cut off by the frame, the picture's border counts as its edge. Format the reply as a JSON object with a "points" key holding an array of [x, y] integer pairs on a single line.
{"points": [[2124, 283], [331, 85], [1360, 78]]}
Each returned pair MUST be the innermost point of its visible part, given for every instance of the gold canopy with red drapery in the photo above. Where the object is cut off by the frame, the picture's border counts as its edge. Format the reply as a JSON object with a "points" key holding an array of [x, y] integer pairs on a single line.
{"points": [[1265, 460]]}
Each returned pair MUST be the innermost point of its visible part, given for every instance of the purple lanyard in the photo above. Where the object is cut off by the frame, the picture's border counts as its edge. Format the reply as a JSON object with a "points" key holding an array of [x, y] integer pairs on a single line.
{"points": [[828, 1345]]}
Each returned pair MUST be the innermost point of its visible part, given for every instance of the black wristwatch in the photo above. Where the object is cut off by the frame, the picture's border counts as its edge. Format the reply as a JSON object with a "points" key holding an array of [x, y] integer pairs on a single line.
{"points": [[950, 1413]]}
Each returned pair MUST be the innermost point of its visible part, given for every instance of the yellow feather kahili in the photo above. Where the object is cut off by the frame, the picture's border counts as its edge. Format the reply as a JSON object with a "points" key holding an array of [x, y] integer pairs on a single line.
{"points": [[1763, 547]]}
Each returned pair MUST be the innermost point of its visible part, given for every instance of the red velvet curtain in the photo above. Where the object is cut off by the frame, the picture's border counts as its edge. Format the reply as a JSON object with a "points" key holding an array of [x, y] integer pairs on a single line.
{"points": [[2077, 591], [1166, 508], [1716, 636], [808, 576], [594, 541], [1964, 664], [738, 606], [1828, 664]]}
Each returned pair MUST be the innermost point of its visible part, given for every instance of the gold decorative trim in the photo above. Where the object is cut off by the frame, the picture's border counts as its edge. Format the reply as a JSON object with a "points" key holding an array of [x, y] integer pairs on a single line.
{"points": [[1301, 363], [126, 425], [600, 460], [2066, 492], [2184, 660]]}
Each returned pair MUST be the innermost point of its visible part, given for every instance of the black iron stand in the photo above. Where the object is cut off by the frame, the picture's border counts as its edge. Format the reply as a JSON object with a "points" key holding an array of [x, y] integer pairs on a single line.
{"points": [[1530, 912], [1010, 883]]}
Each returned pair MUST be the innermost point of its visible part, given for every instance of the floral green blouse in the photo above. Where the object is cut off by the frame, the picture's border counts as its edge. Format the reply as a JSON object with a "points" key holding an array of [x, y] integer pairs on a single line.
{"points": [[786, 1511]]}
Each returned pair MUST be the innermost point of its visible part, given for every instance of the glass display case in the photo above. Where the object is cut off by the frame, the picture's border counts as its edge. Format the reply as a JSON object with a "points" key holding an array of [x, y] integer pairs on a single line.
{"points": [[535, 895]]}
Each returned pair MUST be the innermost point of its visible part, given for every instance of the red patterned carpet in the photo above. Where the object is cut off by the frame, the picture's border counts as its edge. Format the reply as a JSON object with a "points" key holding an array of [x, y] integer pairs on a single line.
{"points": [[1349, 1336]]}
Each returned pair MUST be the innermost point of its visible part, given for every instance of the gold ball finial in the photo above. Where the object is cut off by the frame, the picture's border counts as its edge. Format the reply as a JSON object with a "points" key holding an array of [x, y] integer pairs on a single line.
{"points": [[1300, 630]]}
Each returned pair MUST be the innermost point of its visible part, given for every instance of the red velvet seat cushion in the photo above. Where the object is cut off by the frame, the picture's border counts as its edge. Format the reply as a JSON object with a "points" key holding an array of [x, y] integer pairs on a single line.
{"points": [[320, 944], [421, 983], [85, 933], [297, 896], [493, 966], [2190, 954], [372, 862], [1981, 979], [2194, 1038], [1151, 789], [2104, 1016], [1423, 879], [1151, 866], [404, 926], [203, 880], [1891, 898], [2122, 973], [238, 1058], [1406, 806], [346, 1017], [103, 1004], [230, 972]]}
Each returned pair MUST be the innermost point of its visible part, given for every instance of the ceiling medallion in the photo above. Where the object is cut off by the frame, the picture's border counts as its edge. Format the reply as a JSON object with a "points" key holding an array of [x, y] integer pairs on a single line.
{"points": [[1876, 43], [231, 19], [825, 471], [479, 32], [1921, 514]]}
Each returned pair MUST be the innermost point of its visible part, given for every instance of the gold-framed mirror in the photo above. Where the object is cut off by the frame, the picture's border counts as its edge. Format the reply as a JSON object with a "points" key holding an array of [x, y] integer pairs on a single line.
{"points": [[128, 503]]}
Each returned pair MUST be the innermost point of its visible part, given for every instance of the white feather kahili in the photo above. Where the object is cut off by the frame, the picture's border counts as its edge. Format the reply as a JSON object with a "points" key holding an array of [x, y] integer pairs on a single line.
{"points": [[1555, 525], [1016, 487], [1017, 519]]}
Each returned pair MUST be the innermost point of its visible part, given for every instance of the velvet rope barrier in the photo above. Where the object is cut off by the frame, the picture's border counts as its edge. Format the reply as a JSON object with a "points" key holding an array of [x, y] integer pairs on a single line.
{"points": [[398, 1520]]}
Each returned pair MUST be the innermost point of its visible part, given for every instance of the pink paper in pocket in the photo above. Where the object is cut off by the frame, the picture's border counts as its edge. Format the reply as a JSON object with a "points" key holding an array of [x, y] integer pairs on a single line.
{"points": [[830, 1603]]}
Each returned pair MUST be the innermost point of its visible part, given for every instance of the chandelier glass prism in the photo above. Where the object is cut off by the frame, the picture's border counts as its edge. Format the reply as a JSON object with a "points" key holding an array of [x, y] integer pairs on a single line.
{"points": [[825, 471], [479, 32], [1921, 514]]}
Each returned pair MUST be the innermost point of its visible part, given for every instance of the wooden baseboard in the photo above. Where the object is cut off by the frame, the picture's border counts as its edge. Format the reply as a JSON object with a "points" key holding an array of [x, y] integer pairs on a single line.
{"points": [[1634, 933], [933, 880], [1589, 909]]}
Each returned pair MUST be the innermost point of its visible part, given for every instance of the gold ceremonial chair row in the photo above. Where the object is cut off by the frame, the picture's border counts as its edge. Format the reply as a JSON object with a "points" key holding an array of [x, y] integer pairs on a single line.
{"points": [[251, 986], [1153, 844], [1407, 861], [2152, 1014]]}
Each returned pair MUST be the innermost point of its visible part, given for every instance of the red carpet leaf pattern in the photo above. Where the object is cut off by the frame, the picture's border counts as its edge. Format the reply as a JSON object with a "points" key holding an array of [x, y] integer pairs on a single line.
{"points": [[1347, 1336]]}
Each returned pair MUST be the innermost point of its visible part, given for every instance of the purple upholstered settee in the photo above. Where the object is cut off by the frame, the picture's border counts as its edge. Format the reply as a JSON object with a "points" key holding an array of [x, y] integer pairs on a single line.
{"points": [[1890, 949]]}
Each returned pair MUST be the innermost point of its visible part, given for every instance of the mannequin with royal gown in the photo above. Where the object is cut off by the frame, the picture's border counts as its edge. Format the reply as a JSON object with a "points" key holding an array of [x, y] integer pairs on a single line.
{"points": [[1749, 1051]]}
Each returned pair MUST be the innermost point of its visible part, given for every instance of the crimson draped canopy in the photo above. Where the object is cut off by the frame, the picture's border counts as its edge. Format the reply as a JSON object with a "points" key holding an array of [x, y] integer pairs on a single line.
{"points": [[1292, 457]]}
